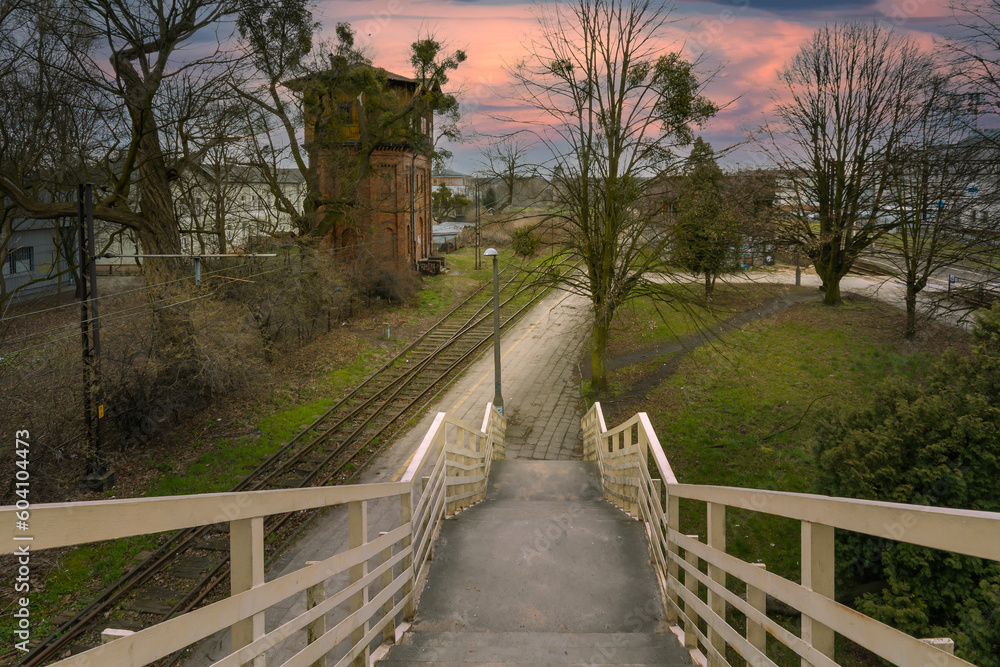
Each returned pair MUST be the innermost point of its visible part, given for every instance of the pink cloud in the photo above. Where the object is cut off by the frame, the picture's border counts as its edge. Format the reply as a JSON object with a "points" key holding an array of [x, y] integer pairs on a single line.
{"points": [[747, 47]]}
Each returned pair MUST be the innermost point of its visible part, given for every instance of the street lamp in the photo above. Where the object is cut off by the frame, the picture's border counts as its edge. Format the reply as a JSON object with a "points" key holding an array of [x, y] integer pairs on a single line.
{"points": [[497, 397]]}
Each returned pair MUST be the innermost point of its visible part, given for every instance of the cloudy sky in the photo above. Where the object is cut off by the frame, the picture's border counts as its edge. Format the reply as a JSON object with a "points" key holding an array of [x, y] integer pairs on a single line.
{"points": [[746, 41]]}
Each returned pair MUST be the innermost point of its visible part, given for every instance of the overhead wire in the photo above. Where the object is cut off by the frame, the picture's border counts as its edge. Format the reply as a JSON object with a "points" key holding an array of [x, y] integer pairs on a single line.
{"points": [[170, 282], [63, 327], [117, 294], [116, 318], [112, 318]]}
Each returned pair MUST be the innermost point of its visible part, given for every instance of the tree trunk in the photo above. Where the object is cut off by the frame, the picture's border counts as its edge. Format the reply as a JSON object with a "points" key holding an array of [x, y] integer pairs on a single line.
{"points": [[832, 293], [827, 270], [598, 352], [911, 311], [709, 283], [220, 229], [159, 233], [6, 232]]}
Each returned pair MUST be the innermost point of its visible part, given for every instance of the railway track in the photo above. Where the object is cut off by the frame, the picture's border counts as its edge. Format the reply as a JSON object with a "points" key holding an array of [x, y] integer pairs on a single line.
{"points": [[191, 564]]}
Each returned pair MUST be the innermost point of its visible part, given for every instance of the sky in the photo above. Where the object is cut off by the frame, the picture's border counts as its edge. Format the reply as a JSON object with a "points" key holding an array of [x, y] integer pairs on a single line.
{"points": [[745, 42]]}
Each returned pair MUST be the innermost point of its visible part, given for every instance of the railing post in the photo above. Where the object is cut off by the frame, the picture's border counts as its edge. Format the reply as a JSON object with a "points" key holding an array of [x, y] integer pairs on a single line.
{"points": [[637, 476], [357, 513], [406, 517], [817, 575], [756, 598], [655, 489], [449, 505], [673, 569], [315, 595], [691, 583], [389, 631], [643, 442], [442, 446], [108, 635], [429, 531], [246, 557], [717, 603]]}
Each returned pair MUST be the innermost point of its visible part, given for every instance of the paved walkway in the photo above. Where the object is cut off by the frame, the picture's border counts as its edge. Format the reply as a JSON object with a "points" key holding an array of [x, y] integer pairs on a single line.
{"points": [[889, 290], [544, 571], [540, 385]]}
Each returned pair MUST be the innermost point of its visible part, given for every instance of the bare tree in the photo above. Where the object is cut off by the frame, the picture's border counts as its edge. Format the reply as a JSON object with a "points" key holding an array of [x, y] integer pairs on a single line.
{"points": [[616, 105], [143, 40], [43, 127], [974, 52], [934, 221], [506, 160], [840, 119]]}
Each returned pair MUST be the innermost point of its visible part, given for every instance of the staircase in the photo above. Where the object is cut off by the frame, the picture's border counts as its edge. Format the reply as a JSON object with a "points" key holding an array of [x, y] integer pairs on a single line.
{"points": [[542, 572]]}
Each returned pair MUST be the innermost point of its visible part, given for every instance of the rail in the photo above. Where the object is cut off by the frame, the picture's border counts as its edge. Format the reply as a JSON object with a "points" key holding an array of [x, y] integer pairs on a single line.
{"points": [[456, 459], [637, 478]]}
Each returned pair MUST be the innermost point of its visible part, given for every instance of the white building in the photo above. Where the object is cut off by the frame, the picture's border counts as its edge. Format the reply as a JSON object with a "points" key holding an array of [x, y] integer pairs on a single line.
{"points": [[456, 182]]}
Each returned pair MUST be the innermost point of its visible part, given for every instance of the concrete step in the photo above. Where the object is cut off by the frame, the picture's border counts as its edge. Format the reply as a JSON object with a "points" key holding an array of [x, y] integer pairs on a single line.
{"points": [[525, 480], [541, 639], [500, 510], [543, 648]]}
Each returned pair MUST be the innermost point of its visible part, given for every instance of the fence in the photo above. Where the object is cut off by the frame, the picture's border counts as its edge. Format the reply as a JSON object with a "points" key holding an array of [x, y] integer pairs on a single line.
{"points": [[457, 458], [638, 479]]}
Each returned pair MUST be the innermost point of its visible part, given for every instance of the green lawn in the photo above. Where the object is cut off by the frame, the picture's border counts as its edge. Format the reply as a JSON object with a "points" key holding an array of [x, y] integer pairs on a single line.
{"points": [[740, 411]]}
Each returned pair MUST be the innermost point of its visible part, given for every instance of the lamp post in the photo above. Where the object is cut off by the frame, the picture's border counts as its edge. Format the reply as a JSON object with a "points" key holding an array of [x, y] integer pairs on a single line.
{"points": [[497, 396]]}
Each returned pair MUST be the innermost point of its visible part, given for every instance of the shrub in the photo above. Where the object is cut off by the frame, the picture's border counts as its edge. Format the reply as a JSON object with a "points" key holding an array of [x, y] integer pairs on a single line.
{"points": [[525, 242], [936, 442]]}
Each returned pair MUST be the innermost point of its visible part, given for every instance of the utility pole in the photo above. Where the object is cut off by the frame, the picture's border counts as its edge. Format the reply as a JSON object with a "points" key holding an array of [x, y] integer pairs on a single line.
{"points": [[98, 477], [479, 232]]}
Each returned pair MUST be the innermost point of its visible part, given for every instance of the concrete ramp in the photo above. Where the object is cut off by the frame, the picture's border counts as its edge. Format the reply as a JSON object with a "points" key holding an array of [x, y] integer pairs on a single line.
{"points": [[541, 572]]}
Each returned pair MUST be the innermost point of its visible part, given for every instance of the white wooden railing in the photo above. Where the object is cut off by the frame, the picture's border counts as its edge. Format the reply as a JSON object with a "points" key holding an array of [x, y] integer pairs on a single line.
{"points": [[455, 458], [637, 478]]}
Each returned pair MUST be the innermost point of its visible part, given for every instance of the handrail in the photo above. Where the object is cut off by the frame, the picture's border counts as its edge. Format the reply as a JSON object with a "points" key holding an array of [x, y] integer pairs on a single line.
{"points": [[69, 524], [457, 457], [637, 478]]}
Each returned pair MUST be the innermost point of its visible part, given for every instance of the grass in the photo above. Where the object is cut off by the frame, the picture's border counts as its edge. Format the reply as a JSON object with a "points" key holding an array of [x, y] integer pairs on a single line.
{"points": [[229, 460], [84, 571], [440, 292], [88, 570], [680, 311], [740, 411]]}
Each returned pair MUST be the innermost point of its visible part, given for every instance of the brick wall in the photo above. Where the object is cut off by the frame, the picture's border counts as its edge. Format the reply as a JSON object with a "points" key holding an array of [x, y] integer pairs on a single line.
{"points": [[389, 208]]}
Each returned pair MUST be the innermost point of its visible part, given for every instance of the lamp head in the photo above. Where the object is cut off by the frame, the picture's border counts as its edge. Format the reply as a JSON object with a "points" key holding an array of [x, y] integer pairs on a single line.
{"points": [[490, 252]]}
